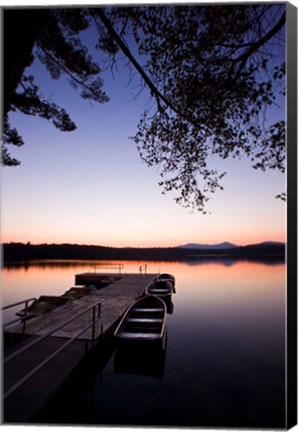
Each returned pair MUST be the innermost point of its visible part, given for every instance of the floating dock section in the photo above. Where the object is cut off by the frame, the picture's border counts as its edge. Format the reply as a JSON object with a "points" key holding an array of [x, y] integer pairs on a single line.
{"points": [[24, 396]]}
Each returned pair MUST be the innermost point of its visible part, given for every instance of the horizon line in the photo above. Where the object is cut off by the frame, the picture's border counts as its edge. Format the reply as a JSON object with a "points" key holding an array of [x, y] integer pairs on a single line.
{"points": [[28, 243]]}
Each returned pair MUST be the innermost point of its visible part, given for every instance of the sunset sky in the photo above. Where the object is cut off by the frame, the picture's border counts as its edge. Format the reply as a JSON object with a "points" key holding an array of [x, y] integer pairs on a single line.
{"points": [[91, 187]]}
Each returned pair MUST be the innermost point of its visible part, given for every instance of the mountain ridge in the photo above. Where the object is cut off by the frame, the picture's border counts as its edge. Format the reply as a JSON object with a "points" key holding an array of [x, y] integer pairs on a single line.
{"points": [[226, 245], [223, 245]]}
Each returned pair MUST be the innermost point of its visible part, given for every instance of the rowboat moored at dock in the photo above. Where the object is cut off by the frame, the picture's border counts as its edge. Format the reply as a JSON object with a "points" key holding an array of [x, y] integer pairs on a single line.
{"points": [[144, 321], [79, 292], [43, 304], [166, 277], [161, 289]]}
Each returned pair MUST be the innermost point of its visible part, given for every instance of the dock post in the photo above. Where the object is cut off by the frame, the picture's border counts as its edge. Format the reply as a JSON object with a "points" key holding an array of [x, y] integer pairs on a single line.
{"points": [[93, 326], [24, 320]]}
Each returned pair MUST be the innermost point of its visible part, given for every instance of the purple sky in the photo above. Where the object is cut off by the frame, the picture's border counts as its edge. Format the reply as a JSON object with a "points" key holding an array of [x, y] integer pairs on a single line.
{"points": [[90, 186]]}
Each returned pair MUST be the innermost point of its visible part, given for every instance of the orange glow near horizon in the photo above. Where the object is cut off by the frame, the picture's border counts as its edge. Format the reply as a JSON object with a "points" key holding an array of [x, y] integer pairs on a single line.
{"points": [[135, 214], [132, 240]]}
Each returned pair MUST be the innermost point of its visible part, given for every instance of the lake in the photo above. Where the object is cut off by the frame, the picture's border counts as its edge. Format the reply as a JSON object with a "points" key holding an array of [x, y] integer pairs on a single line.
{"points": [[224, 364]]}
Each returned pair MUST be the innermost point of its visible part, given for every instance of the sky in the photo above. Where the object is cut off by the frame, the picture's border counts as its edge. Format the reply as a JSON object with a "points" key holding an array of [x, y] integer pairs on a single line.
{"points": [[91, 187]]}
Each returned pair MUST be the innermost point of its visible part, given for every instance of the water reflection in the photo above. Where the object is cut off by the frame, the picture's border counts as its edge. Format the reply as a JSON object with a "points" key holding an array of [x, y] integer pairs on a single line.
{"points": [[140, 362], [170, 306], [196, 260]]}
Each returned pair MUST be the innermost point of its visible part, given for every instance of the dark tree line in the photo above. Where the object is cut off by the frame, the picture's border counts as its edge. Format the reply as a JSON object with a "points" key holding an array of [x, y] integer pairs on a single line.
{"points": [[213, 73], [13, 252]]}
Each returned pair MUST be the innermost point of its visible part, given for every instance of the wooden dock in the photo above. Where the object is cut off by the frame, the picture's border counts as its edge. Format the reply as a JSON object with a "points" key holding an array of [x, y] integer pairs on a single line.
{"points": [[21, 402]]}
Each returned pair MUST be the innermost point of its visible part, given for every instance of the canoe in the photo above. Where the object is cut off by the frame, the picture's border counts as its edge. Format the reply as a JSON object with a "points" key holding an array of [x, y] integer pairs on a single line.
{"points": [[161, 289], [144, 321]]}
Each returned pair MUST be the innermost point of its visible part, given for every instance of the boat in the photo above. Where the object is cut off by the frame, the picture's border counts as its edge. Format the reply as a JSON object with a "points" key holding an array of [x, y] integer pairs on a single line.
{"points": [[169, 278], [48, 303], [43, 304], [143, 322], [79, 292], [161, 289]]}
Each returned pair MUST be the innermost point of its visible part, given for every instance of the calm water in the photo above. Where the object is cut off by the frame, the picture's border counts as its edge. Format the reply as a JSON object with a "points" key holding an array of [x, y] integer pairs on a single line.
{"points": [[224, 363]]}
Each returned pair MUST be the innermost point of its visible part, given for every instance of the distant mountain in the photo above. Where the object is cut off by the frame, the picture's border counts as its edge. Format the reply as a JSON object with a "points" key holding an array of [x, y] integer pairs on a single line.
{"points": [[227, 245], [269, 243], [224, 245]]}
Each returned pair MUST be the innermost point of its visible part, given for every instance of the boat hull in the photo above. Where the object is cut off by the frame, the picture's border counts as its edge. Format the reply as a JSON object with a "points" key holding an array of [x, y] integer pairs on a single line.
{"points": [[161, 289], [144, 323], [167, 277]]}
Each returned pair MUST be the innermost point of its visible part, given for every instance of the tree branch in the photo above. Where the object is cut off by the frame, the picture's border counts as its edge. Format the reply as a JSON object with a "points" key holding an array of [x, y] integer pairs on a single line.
{"points": [[154, 90], [243, 57], [128, 54], [64, 69]]}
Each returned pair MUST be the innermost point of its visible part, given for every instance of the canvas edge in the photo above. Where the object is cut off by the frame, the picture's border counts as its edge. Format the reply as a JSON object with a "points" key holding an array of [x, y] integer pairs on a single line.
{"points": [[291, 345]]}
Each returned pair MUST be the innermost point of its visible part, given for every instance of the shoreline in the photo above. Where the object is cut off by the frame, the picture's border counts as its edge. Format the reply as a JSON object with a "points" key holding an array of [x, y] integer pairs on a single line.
{"points": [[17, 252]]}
